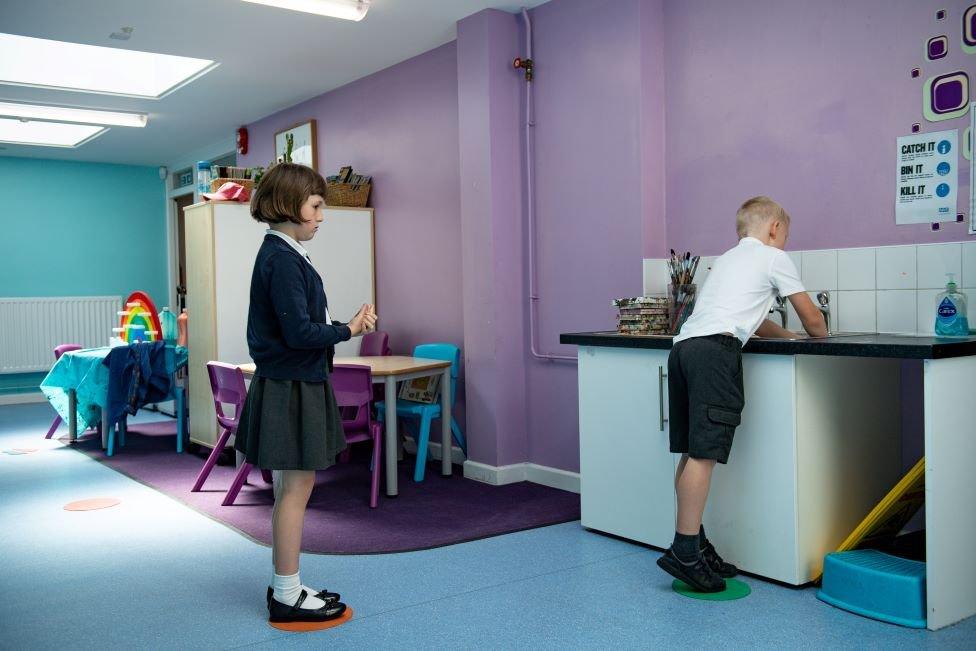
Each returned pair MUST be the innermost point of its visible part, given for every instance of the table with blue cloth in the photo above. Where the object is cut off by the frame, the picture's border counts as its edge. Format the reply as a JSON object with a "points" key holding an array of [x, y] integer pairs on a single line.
{"points": [[78, 389]]}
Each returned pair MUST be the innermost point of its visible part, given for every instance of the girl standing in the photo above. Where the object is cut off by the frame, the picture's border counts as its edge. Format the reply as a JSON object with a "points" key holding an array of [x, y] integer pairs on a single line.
{"points": [[290, 422]]}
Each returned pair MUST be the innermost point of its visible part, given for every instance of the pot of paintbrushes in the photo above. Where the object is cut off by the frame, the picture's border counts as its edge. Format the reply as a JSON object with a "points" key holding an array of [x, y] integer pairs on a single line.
{"points": [[682, 290]]}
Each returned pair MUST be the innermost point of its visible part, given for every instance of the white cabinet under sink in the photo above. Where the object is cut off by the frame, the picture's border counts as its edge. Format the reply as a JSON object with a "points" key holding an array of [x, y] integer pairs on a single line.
{"points": [[818, 446], [626, 471]]}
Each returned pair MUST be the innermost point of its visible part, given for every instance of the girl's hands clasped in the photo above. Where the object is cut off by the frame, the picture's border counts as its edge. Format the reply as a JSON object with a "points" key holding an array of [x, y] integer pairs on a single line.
{"points": [[364, 321]]}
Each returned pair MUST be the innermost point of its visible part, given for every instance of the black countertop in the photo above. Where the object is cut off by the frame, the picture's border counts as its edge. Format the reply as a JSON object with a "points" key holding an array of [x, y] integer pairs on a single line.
{"points": [[862, 345]]}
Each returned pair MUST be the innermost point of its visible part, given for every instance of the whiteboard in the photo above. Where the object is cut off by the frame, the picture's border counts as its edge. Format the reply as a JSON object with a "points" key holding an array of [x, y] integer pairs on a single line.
{"points": [[237, 238], [342, 252]]}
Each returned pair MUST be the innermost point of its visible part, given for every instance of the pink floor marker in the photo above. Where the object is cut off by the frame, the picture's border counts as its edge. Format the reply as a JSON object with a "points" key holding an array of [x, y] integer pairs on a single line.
{"points": [[92, 504]]}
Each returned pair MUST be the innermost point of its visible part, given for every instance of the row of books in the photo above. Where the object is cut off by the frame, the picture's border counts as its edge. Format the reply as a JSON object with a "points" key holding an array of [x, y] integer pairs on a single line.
{"points": [[346, 175]]}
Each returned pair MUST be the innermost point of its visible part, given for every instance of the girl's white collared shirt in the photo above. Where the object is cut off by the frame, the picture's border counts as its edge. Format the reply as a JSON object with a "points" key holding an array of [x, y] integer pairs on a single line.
{"points": [[302, 252]]}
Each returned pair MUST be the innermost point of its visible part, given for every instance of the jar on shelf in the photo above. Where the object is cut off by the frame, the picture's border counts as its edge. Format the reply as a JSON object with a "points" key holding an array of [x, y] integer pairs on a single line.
{"points": [[203, 176]]}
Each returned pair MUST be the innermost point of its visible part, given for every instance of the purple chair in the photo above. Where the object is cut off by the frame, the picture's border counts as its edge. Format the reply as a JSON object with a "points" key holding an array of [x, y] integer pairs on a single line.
{"points": [[227, 385], [58, 352], [353, 387], [375, 344]]}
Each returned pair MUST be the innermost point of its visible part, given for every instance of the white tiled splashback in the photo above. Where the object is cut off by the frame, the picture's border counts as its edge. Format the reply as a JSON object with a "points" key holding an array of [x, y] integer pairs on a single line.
{"points": [[882, 289]]}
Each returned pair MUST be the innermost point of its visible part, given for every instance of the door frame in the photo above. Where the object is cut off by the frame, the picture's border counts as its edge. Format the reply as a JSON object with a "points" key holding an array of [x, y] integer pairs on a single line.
{"points": [[227, 156], [172, 241]]}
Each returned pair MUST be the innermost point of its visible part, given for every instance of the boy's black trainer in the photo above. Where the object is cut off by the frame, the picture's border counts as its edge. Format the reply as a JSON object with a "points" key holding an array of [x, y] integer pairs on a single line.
{"points": [[698, 575], [719, 566]]}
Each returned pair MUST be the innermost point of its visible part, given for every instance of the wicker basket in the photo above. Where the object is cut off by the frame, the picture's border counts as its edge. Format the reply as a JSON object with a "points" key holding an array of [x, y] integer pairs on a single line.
{"points": [[247, 183], [347, 194]]}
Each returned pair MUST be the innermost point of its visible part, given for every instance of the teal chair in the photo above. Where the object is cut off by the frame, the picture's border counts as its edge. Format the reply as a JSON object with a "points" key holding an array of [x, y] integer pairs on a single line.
{"points": [[427, 413]]}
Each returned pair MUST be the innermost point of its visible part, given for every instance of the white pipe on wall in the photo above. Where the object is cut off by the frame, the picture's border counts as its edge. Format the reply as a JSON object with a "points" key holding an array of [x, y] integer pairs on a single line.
{"points": [[530, 207]]}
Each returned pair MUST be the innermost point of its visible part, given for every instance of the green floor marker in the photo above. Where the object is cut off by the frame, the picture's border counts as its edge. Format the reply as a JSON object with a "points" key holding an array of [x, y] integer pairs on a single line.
{"points": [[734, 589]]}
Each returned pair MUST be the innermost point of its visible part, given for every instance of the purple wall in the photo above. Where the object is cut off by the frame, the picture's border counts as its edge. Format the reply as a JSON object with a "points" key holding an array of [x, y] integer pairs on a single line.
{"points": [[588, 94], [802, 101], [654, 120], [491, 238], [401, 126]]}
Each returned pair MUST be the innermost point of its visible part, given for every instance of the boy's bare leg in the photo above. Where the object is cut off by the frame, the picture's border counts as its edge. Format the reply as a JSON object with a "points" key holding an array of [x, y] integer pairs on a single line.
{"points": [[685, 559], [677, 473], [692, 481]]}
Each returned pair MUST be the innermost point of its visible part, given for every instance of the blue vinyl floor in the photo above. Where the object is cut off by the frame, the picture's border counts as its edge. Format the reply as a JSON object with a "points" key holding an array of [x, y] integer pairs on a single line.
{"points": [[152, 573]]}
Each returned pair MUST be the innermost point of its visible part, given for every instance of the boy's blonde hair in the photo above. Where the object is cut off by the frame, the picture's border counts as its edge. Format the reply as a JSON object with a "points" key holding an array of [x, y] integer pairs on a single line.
{"points": [[757, 212]]}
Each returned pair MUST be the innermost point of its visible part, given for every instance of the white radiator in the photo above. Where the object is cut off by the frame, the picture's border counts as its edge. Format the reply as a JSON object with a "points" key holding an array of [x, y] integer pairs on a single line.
{"points": [[30, 328]]}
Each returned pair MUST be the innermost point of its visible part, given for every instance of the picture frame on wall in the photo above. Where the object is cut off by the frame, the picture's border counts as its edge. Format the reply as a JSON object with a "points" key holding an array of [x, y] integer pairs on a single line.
{"points": [[302, 137]]}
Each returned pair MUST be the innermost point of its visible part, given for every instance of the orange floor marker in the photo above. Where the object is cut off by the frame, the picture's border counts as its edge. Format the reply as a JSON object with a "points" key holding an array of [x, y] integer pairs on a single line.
{"points": [[92, 504], [308, 627]]}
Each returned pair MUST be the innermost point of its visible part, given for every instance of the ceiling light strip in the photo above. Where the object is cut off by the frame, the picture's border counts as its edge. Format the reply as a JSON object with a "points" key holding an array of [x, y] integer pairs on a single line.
{"points": [[70, 114]]}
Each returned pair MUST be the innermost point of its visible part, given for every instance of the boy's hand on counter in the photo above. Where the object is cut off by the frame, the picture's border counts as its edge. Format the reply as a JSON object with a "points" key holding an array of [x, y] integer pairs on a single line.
{"points": [[810, 315], [770, 330]]}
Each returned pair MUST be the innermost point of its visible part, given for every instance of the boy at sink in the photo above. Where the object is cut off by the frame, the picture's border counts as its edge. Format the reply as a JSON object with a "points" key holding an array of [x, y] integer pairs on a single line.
{"points": [[705, 374]]}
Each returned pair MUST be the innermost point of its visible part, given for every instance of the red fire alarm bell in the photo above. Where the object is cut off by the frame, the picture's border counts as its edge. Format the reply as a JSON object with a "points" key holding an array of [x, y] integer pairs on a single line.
{"points": [[242, 141]]}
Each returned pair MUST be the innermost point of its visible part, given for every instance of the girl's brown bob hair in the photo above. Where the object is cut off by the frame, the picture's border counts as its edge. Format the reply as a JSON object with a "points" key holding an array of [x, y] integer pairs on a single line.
{"points": [[283, 190]]}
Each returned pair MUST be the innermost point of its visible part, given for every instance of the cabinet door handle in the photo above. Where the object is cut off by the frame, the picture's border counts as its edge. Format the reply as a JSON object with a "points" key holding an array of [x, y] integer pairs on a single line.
{"points": [[661, 376]]}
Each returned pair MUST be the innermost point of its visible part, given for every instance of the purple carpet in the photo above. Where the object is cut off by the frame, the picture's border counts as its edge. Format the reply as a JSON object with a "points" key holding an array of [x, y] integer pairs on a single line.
{"points": [[438, 511]]}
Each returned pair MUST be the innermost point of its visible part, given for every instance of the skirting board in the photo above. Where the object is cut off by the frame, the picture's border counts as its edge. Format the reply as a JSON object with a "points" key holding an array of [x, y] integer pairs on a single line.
{"points": [[499, 475], [22, 398]]}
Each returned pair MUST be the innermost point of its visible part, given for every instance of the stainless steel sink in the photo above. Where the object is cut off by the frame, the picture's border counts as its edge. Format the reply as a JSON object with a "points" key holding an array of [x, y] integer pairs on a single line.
{"points": [[833, 335]]}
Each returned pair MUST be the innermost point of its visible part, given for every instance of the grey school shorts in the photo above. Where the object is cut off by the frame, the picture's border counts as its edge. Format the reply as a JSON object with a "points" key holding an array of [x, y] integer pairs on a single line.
{"points": [[705, 396]]}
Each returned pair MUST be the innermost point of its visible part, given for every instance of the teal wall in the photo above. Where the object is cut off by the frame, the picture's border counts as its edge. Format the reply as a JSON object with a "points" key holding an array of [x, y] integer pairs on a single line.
{"points": [[81, 229]]}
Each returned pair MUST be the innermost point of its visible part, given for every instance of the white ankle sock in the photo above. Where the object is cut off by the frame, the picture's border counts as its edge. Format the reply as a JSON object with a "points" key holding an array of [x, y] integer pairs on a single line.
{"points": [[288, 588]]}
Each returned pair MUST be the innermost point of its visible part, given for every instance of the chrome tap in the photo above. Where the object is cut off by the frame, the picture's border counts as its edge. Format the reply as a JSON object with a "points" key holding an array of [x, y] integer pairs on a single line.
{"points": [[823, 299], [780, 306]]}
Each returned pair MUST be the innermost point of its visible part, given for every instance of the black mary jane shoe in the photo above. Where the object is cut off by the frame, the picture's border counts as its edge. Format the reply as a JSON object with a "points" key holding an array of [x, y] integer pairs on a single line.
{"points": [[281, 613], [324, 595]]}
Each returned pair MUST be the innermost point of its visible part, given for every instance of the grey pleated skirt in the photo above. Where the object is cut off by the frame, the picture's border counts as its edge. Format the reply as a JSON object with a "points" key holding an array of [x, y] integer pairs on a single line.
{"points": [[290, 425]]}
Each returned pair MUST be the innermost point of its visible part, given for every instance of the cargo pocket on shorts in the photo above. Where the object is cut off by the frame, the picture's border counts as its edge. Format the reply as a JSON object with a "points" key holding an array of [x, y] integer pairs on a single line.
{"points": [[724, 422], [724, 416]]}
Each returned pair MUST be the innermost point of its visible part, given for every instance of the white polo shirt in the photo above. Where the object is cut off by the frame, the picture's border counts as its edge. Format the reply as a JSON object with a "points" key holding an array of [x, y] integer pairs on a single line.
{"points": [[740, 289]]}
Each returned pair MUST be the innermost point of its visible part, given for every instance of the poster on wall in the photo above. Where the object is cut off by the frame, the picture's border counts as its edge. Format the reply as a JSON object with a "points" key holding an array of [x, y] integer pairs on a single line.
{"points": [[972, 169], [927, 177]]}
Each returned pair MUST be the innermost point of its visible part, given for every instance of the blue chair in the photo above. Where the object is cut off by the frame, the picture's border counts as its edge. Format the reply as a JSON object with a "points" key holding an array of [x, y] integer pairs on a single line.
{"points": [[428, 413]]}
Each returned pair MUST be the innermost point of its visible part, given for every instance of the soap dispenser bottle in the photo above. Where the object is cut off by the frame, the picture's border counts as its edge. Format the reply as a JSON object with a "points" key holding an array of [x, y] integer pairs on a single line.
{"points": [[950, 311]]}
